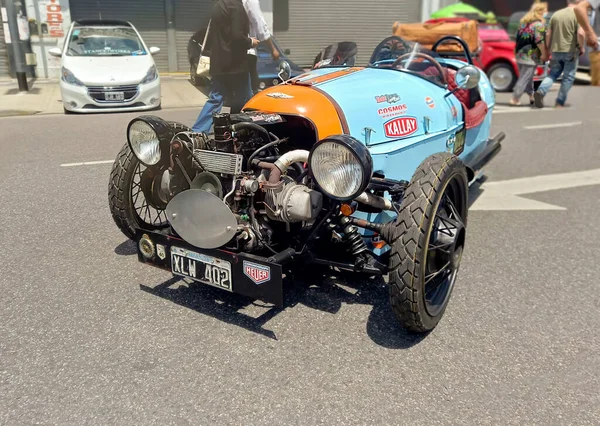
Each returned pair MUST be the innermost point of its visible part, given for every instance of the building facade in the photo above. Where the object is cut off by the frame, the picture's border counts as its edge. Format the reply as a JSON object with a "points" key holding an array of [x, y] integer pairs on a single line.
{"points": [[302, 26]]}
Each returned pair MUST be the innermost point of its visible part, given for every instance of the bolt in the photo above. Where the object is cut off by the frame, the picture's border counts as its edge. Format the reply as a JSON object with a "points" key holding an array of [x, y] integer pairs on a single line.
{"points": [[174, 215]]}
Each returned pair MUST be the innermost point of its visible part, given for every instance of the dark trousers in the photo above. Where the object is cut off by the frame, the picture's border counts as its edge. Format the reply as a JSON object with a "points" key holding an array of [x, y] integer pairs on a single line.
{"points": [[252, 67]]}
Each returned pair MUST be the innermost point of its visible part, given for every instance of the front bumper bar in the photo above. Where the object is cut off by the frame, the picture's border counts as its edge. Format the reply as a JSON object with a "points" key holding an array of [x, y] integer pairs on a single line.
{"points": [[252, 276]]}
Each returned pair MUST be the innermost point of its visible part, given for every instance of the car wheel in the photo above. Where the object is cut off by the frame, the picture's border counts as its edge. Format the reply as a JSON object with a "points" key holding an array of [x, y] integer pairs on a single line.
{"points": [[502, 77], [129, 179], [427, 241]]}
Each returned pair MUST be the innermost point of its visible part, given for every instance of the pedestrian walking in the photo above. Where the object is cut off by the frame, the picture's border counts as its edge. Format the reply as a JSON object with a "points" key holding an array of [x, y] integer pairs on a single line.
{"points": [[581, 12], [229, 43], [565, 41], [260, 31], [530, 50]]}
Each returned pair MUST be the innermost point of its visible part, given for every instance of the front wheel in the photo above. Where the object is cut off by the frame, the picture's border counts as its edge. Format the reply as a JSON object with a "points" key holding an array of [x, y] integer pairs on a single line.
{"points": [[502, 77], [427, 241], [130, 182]]}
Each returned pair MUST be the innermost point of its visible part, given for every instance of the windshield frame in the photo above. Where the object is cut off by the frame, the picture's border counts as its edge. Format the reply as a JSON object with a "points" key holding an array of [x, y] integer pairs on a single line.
{"points": [[144, 51]]}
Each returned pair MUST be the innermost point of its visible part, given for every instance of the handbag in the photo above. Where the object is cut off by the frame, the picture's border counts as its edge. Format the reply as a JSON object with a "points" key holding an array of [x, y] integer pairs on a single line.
{"points": [[204, 61]]}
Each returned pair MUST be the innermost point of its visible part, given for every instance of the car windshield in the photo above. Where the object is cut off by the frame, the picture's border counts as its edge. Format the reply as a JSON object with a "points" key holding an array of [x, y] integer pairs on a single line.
{"points": [[105, 41], [397, 53]]}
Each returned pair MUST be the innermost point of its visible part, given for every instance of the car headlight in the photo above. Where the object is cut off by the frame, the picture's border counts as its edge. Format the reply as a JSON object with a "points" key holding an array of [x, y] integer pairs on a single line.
{"points": [[341, 167], [69, 77], [148, 138], [151, 75]]}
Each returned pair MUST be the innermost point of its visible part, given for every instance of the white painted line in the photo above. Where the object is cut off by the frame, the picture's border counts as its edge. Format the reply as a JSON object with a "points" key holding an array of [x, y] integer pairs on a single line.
{"points": [[505, 195], [553, 126], [87, 163]]}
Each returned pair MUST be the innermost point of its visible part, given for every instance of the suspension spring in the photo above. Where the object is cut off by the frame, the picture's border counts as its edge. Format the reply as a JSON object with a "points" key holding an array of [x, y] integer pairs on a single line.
{"points": [[352, 237]]}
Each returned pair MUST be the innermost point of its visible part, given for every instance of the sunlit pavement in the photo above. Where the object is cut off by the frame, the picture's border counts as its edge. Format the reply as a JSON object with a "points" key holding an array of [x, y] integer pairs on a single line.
{"points": [[89, 336]]}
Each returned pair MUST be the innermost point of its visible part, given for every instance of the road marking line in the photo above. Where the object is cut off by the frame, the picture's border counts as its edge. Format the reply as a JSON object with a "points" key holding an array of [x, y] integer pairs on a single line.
{"points": [[505, 195], [87, 163], [553, 126]]}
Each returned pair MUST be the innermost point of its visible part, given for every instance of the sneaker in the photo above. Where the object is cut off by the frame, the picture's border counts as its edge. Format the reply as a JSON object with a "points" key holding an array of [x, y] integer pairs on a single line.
{"points": [[538, 100]]}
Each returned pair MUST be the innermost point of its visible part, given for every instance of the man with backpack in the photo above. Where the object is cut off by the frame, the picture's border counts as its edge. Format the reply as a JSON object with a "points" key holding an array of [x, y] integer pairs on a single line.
{"points": [[565, 41]]}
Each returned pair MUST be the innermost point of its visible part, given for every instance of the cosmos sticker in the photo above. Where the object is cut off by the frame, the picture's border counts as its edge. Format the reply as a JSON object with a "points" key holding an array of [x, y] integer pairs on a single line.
{"points": [[456, 143], [392, 111], [430, 102]]}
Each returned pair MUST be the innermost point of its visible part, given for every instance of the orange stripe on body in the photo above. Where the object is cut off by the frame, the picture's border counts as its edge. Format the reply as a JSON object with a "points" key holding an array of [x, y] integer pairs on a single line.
{"points": [[328, 77]]}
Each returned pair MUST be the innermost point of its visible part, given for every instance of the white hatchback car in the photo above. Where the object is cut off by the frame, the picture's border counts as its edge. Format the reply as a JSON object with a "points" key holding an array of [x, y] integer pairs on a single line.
{"points": [[106, 67]]}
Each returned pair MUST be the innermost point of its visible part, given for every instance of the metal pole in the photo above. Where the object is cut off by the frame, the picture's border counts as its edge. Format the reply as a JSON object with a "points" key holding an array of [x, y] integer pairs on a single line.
{"points": [[13, 27]]}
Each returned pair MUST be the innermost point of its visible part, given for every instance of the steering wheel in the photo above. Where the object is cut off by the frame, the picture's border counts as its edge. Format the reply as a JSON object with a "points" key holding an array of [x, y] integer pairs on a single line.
{"points": [[423, 56]]}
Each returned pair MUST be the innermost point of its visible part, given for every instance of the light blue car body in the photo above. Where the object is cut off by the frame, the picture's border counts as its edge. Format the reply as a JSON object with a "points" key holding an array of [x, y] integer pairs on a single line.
{"points": [[439, 119]]}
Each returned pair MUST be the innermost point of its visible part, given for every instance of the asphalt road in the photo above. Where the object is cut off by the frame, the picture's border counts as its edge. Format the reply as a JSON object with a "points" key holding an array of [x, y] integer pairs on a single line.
{"points": [[90, 336]]}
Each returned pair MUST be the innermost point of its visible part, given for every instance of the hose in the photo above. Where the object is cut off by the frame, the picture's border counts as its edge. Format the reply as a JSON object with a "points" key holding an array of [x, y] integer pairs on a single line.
{"points": [[262, 148]]}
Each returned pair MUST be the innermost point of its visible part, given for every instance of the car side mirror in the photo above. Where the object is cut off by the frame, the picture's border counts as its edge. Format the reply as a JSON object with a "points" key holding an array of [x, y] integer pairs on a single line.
{"points": [[285, 71], [55, 51], [468, 77], [154, 50]]}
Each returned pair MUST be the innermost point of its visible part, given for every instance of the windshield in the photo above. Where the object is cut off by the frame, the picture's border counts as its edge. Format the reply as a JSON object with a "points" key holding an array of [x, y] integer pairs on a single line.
{"points": [[397, 53], [337, 55], [105, 41]]}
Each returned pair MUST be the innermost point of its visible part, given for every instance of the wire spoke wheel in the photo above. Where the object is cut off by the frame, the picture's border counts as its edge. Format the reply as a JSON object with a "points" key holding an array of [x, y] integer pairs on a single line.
{"points": [[427, 241], [146, 212]]}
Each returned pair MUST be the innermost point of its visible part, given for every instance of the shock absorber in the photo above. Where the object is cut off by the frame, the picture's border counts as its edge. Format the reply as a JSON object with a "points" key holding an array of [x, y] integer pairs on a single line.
{"points": [[352, 237]]}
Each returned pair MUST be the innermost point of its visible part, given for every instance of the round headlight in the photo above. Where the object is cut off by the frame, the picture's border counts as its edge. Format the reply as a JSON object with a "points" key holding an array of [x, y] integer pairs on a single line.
{"points": [[341, 166], [144, 142]]}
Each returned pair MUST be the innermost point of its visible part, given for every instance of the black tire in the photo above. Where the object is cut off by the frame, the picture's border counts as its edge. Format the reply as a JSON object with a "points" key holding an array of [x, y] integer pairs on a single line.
{"points": [[507, 77], [416, 241], [122, 205]]}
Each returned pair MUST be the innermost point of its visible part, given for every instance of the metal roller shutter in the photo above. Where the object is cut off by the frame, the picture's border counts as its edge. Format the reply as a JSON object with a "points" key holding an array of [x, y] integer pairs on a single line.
{"points": [[190, 16], [3, 54], [148, 17], [314, 24]]}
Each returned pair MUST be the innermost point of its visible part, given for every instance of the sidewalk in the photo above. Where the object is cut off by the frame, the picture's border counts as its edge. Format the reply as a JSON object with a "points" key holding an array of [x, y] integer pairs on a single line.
{"points": [[44, 96]]}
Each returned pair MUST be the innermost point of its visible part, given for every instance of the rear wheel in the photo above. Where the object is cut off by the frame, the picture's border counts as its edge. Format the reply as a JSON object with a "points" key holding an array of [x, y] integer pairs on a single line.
{"points": [[502, 77], [130, 183], [427, 241]]}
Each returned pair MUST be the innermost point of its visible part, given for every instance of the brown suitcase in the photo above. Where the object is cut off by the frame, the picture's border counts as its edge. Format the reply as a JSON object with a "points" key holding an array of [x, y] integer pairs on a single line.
{"points": [[428, 34]]}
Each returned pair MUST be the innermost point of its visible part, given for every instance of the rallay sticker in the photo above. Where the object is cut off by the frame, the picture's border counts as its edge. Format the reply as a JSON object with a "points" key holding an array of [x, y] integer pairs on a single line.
{"points": [[257, 273], [400, 127]]}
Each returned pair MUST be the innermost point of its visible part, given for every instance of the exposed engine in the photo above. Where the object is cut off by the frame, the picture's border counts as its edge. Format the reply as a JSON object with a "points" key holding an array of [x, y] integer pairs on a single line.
{"points": [[243, 165]]}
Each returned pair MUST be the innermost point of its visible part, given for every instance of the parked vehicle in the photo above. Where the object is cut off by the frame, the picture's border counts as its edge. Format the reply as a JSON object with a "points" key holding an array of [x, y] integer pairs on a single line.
{"points": [[106, 67], [497, 56], [267, 68], [362, 168]]}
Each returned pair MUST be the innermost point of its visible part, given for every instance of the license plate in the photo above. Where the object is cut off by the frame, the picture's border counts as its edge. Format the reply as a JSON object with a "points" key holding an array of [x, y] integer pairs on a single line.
{"points": [[199, 267], [114, 96]]}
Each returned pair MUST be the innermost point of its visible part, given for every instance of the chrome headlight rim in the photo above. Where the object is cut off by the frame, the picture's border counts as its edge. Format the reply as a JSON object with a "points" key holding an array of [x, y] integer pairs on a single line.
{"points": [[361, 155], [163, 133]]}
